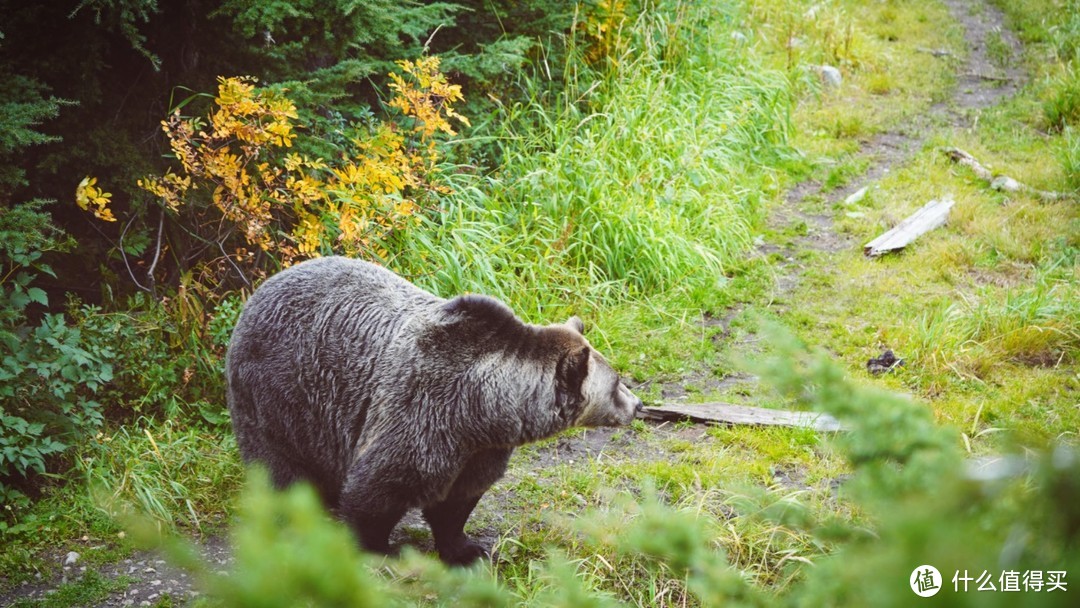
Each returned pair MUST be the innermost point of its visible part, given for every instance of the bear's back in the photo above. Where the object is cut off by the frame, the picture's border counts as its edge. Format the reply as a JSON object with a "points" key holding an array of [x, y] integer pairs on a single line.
{"points": [[301, 366]]}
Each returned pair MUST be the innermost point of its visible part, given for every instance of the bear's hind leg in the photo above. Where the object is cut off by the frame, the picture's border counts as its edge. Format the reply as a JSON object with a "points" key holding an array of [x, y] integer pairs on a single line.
{"points": [[285, 471], [447, 520], [372, 506]]}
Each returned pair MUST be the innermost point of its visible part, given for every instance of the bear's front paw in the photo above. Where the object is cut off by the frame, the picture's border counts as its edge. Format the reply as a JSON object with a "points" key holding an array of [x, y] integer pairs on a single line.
{"points": [[462, 554]]}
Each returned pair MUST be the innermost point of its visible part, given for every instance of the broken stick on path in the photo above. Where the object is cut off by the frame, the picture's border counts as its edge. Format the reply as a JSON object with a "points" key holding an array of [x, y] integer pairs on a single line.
{"points": [[998, 182], [728, 414]]}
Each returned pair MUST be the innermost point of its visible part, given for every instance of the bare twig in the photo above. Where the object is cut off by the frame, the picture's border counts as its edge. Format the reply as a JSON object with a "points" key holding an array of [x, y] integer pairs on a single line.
{"points": [[123, 254], [427, 45], [157, 251], [999, 182], [934, 52], [239, 273]]}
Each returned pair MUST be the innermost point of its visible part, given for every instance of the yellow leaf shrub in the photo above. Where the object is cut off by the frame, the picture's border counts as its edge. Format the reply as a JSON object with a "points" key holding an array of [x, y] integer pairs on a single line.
{"points": [[239, 185], [91, 198]]}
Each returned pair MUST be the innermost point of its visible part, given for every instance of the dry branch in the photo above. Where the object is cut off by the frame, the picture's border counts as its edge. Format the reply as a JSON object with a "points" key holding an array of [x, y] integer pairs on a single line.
{"points": [[998, 182]]}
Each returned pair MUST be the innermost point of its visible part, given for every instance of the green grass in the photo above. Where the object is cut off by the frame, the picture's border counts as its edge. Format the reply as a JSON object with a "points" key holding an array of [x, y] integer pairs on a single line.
{"points": [[636, 188], [176, 478], [173, 475]]}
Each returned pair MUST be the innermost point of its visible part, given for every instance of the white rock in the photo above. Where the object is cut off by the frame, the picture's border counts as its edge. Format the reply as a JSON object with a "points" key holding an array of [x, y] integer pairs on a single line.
{"points": [[856, 197], [830, 76], [738, 37], [1006, 183], [71, 558]]}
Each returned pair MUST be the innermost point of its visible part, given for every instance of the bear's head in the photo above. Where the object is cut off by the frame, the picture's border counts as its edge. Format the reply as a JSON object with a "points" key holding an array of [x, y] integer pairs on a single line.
{"points": [[604, 399], [582, 386]]}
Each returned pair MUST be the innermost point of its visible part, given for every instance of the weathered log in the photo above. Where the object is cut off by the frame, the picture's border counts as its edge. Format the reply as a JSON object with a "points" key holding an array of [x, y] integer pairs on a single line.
{"points": [[998, 182], [730, 414], [930, 216]]}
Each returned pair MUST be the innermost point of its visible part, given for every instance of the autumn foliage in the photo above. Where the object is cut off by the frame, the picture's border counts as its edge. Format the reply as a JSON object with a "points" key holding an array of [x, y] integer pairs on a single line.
{"points": [[253, 201]]}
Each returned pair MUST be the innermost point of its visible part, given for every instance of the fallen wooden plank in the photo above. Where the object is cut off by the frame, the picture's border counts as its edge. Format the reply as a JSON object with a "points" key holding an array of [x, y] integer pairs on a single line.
{"points": [[930, 216], [729, 414]]}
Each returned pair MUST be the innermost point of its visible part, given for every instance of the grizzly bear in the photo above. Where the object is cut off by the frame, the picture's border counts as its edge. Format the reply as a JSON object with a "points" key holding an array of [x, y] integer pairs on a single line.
{"points": [[385, 397]]}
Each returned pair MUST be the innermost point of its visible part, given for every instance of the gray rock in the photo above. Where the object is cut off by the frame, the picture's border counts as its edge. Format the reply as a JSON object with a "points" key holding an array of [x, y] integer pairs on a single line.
{"points": [[830, 76], [1005, 183]]}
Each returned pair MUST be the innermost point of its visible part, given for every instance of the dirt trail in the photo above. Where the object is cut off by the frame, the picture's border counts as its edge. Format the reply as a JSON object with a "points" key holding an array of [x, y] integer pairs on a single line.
{"points": [[980, 84]]}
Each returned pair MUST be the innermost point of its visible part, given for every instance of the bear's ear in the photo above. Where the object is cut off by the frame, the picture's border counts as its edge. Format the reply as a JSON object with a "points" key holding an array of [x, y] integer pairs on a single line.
{"points": [[573, 368], [575, 323]]}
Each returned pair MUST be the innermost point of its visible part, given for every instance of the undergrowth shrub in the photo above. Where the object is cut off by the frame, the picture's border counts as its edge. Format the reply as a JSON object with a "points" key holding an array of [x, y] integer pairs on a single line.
{"points": [[49, 376], [168, 356], [241, 204]]}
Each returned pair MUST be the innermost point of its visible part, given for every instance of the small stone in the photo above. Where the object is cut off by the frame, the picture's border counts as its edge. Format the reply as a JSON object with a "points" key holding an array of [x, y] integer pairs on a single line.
{"points": [[1005, 183], [856, 197], [71, 558], [738, 37], [830, 76]]}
